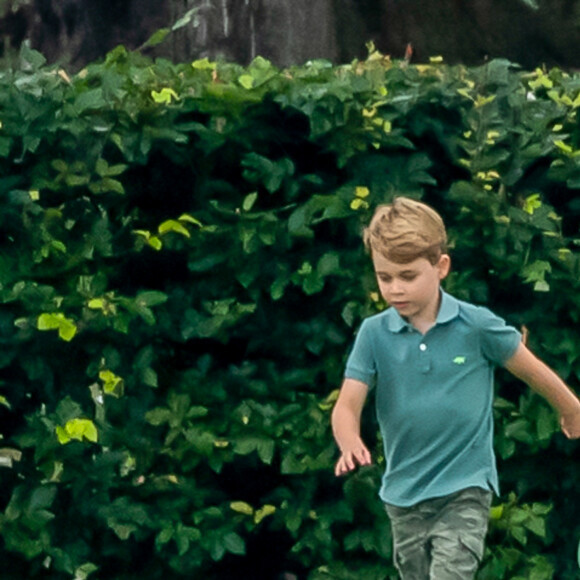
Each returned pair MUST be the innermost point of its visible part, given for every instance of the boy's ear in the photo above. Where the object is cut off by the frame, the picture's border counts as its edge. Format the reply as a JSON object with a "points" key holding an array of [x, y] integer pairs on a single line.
{"points": [[444, 266]]}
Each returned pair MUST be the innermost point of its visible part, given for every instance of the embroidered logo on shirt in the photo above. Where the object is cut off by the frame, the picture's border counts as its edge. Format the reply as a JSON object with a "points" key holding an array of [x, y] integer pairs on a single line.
{"points": [[459, 360]]}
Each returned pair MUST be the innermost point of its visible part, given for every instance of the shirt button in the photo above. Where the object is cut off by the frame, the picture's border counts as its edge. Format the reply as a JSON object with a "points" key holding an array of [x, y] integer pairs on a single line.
{"points": [[423, 347]]}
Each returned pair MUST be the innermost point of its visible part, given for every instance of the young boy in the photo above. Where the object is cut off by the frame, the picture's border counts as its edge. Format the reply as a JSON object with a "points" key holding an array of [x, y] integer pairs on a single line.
{"points": [[430, 358]]}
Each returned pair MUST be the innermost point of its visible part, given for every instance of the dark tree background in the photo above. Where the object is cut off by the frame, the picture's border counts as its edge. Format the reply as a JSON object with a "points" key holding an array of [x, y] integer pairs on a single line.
{"points": [[75, 32]]}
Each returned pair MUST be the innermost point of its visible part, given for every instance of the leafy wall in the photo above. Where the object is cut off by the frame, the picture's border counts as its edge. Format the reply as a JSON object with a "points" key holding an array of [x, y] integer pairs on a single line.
{"points": [[181, 276]]}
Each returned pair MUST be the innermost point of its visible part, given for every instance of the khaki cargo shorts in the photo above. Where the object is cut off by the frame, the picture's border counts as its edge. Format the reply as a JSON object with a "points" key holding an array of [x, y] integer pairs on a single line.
{"points": [[441, 538]]}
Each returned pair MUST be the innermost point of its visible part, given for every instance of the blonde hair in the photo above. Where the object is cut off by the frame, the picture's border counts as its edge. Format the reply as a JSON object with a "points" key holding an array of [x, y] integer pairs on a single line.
{"points": [[406, 230]]}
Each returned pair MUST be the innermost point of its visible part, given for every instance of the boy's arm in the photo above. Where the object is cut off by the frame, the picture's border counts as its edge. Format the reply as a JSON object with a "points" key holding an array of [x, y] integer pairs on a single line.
{"points": [[346, 426], [542, 379]]}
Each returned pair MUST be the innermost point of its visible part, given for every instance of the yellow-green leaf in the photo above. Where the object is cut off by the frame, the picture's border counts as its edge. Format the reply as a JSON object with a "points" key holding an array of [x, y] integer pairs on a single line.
{"points": [[48, 321], [481, 101], [242, 507], [173, 226], [329, 401], [164, 96], [532, 203], [57, 321], [203, 64], [563, 147], [62, 435], [155, 243], [67, 330], [112, 384], [264, 512], [358, 203], [78, 429], [247, 81], [190, 219]]}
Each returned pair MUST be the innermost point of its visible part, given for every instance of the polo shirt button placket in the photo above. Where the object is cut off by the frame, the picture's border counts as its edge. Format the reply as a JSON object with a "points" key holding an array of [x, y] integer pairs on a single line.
{"points": [[424, 358]]}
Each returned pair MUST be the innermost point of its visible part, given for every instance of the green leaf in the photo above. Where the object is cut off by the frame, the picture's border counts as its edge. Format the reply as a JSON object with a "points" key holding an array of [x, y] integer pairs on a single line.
{"points": [[547, 424], [151, 298], [249, 201], [536, 272], [329, 264], [84, 571], [189, 17], [158, 416], [157, 38], [234, 544], [30, 59], [92, 99], [536, 525], [149, 377]]}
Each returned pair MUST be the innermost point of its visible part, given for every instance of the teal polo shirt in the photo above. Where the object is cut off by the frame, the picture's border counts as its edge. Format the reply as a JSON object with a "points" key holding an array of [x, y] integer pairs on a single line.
{"points": [[434, 395]]}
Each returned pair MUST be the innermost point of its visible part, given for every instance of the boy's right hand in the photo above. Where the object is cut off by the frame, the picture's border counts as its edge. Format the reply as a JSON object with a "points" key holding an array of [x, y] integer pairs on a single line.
{"points": [[350, 458]]}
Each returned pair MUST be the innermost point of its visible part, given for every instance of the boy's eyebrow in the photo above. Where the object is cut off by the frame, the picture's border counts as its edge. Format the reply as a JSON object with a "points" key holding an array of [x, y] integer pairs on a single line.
{"points": [[403, 272]]}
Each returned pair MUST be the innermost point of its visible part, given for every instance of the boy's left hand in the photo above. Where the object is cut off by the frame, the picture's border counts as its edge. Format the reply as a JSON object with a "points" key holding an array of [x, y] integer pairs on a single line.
{"points": [[570, 424]]}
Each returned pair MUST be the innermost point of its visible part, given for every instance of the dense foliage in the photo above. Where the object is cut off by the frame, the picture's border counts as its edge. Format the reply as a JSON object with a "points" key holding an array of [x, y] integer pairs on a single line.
{"points": [[181, 275]]}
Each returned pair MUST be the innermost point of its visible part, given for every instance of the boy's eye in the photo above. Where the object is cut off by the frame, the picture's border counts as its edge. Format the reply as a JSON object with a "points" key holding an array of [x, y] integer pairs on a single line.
{"points": [[385, 279], [408, 277]]}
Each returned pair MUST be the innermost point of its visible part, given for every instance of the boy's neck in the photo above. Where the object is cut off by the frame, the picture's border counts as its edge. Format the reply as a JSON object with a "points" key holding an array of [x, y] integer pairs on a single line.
{"points": [[424, 321], [423, 326]]}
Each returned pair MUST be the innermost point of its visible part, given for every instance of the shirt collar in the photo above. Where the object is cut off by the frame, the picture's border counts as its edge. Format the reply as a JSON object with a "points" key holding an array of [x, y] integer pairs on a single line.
{"points": [[448, 310]]}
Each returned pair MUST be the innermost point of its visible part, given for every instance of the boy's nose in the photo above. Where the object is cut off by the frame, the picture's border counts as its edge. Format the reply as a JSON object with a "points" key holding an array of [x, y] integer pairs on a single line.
{"points": [[396, 287]]}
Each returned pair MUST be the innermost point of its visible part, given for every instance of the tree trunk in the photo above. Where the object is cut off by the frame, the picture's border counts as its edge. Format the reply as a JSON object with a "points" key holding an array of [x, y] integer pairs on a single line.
{"points": [[75, 32], [284, 32]]}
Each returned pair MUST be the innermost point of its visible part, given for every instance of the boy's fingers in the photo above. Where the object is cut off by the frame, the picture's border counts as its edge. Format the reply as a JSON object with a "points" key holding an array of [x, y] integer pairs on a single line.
{"points": [[344, 464], [340, 467], [571, 431], [349, 461], [364, 456]]}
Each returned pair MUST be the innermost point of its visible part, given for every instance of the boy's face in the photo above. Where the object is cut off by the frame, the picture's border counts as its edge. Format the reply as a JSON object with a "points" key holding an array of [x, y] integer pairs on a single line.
{"points": [[413, 288]]}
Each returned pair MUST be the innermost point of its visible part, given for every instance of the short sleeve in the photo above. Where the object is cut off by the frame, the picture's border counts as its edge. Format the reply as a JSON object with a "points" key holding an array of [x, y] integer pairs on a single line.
{"points": [[499, 341], [361, 364]]}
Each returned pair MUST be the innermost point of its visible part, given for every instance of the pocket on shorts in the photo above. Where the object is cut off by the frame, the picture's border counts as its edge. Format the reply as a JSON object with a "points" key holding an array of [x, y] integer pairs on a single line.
{"points": [[474, 543]]}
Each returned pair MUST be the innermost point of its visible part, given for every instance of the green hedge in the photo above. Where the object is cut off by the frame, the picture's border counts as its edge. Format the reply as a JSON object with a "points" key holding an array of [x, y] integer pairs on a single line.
{"points": [[181, 276]]}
